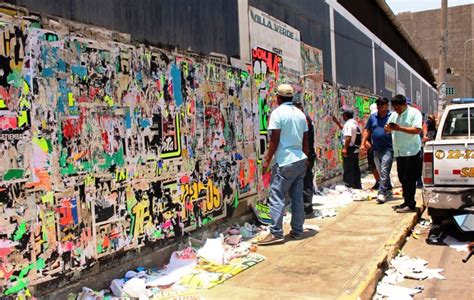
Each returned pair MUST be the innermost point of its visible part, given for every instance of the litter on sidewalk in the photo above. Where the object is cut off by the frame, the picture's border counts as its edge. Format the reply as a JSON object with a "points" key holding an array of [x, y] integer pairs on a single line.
{"points": [[404, 267], [455, 244], [327, 201], [189, 271]]}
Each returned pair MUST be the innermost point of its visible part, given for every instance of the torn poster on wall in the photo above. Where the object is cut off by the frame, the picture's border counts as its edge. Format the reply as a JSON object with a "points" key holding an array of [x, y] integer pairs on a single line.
{"points": [[107, 147]]}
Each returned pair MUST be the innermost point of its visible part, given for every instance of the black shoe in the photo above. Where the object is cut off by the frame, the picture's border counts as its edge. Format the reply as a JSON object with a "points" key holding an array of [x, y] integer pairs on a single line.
{"points": [[398, 206], [376, 186], [270, 239], [296, 236], [406, 209], [309, 214]]}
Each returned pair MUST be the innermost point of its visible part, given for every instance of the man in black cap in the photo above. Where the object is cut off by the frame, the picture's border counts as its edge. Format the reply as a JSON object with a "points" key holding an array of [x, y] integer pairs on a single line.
{"points": [[350, 149], [308, 189], [381, 143]]}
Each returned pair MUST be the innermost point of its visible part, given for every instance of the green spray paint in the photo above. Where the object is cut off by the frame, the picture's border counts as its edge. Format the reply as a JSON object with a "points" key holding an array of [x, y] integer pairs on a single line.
{"points": [[20, 231]]}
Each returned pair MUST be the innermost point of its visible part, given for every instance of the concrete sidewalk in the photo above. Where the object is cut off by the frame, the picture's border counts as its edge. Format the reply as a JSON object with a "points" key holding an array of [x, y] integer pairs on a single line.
{"points": [[342, 261]]}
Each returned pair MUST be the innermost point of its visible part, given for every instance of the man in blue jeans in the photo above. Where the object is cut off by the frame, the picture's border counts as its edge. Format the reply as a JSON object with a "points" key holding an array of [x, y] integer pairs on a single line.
{"points": [[381, 144], [289, 148]]}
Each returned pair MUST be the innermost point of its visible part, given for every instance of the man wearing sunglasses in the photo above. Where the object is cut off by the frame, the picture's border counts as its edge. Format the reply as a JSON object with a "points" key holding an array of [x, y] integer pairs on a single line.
{"points": [[405, 125]]}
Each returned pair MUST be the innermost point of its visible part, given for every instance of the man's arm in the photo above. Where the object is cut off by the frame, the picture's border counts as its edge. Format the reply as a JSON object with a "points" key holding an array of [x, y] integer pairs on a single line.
{"points": [[274, 141], [415, 128], [347, 142], [409, 130], [365, 144], [337, 122], [306, 144], [425, 132]]}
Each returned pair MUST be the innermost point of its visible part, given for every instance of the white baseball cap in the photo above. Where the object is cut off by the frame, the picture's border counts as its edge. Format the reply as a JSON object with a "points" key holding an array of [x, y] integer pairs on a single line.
{"points": [[285, 90]]}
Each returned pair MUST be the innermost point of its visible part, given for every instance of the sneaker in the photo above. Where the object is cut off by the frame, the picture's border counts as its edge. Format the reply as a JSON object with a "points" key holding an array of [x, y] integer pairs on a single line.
{"points": [[295, 236], [376, 186], [381, 198], [406, 209], [270, 239]]}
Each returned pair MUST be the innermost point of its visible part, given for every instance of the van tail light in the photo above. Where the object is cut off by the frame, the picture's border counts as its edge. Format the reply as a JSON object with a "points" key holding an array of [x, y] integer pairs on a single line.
{"points": [[428, 167]]}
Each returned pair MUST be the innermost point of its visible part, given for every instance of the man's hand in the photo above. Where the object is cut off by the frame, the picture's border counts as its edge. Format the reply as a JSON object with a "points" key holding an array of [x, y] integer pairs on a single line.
{"points": [[344, 152], [364, 147], [265, 167], [335, 119], [425, 139], [388, 129], [394, 126]]}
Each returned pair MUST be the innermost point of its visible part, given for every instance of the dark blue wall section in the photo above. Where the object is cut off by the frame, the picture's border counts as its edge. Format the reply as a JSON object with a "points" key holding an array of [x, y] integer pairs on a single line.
{"points": [[162, 23], [353, 55]]}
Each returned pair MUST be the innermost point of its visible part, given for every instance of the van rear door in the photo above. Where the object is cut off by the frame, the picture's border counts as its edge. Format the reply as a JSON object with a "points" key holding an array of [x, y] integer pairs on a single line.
{"points": [[453, 154]]}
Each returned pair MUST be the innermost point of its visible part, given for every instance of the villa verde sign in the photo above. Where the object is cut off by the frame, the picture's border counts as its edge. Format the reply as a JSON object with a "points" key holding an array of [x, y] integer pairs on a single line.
{"points": [[272, 34]]}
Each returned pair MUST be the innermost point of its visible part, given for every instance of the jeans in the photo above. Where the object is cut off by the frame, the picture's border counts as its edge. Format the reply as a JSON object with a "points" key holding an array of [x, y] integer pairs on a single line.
{"points": [[308, 189], [287, 180], [409, 170], [383, 161], [351, 176]]}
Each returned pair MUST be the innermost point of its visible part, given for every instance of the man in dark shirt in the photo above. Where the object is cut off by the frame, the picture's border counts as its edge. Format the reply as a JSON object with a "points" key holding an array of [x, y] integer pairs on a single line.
{"points": [[381, 143], [308, 189]]}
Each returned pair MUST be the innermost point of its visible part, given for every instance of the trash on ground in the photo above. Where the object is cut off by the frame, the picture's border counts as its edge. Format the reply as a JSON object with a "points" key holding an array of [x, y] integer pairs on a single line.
{"points": [[455, 244], [389, 291], [327, 201], [404, 267], [189, 271]]}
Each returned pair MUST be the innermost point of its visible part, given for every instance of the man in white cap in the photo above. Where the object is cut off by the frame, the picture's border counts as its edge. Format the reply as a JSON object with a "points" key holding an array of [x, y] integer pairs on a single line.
{"points": [[289, 148]]}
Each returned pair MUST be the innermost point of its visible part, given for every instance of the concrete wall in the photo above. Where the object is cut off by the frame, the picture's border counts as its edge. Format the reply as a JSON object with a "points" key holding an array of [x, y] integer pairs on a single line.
{"points": [[424, 28], [109, 147]]}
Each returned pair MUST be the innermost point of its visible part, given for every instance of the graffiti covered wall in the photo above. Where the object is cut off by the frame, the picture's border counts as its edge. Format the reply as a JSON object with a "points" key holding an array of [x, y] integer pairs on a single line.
{"points": [[107, 147]]}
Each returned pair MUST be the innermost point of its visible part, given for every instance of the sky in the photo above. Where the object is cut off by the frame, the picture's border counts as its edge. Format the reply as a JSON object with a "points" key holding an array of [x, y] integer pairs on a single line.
{"points": [[399, 6]]}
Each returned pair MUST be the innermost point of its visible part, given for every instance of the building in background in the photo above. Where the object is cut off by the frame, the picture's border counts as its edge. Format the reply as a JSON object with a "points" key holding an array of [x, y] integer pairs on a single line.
{"points": [[424, 29]]}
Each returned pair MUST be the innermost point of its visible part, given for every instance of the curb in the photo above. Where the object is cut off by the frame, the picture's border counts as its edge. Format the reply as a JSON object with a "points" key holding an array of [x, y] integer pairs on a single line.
{"points": [[364, 284]]}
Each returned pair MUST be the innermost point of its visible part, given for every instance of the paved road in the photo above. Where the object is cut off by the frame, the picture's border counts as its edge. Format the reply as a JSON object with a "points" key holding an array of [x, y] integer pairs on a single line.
{"points": [[459, 282]]}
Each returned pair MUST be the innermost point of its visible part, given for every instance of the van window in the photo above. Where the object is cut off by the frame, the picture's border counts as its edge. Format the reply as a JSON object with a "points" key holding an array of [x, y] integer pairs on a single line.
{"points": [[457, 123]]}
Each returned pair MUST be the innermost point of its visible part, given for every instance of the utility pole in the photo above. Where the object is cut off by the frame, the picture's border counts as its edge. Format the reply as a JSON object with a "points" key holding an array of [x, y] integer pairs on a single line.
{"points": [[443, 49], [464, 73]]}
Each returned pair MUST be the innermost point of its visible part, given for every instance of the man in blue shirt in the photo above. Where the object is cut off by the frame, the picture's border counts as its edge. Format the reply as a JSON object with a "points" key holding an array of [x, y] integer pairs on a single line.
{"points": [[289, 148], [405, 125], [381, 144]]}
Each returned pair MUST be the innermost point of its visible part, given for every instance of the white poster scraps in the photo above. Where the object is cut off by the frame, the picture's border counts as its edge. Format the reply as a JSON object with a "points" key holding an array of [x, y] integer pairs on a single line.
{"points": [[272, 34], [389, 76]]}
